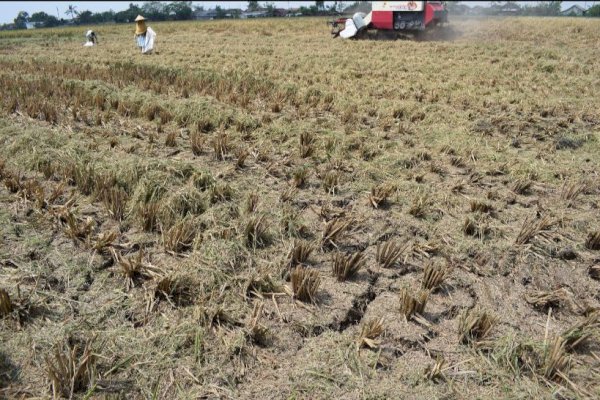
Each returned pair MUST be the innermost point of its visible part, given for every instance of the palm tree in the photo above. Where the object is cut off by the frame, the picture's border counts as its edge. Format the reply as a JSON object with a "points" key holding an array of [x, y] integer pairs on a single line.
{"points": [[72, 10]]}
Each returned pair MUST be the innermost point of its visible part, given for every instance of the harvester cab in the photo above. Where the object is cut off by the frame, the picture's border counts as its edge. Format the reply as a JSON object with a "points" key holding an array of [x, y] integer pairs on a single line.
{"points": [[399, 16]]}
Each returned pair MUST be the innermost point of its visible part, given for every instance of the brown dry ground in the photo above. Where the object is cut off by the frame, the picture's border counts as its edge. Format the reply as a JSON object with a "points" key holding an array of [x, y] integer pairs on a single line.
{"points": [[507, 113]]}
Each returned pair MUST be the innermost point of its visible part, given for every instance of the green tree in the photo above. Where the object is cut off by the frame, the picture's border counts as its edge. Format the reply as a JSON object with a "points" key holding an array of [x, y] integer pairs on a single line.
{"points": [[21, 19], [84, 17], [555, 7], [253, 5], [155, 10], [129, 14], [72, 11], [106, 16], [270, 9], [43, 19], [593, 11], [457, 8], [180, 10], [543, 8], [320, 5], [38, 17], [220, 12], [312, 10], [337, 6]]}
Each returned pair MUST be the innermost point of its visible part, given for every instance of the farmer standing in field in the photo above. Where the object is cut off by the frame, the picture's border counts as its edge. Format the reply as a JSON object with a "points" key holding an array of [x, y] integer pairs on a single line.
{"points": [[144, 36]]}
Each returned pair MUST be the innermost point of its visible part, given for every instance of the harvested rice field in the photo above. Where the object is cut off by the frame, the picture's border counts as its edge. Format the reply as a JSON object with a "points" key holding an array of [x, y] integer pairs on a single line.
{"points": [[257, 210]]}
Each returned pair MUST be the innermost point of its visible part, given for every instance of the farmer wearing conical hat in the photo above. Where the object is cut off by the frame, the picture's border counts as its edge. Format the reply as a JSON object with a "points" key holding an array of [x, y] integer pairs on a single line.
{"points": [[140, 31], [144, 36]]}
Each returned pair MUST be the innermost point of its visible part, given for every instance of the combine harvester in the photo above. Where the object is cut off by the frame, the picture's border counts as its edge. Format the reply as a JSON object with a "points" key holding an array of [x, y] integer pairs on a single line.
{"points": [[393, 16]]}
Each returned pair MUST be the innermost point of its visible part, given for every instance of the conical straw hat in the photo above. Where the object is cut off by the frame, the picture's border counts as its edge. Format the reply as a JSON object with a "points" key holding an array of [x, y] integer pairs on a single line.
{"points": [[139, 18]]}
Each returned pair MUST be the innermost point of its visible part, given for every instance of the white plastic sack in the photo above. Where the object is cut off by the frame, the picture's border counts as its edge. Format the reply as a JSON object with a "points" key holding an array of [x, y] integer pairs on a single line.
{"points": [[149, 43], [350, 29], [358, 22], [88, 44]]}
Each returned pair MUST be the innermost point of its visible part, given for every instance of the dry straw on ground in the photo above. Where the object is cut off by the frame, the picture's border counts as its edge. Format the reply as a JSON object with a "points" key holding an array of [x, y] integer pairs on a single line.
{"points": [[593, 241], [164, 201], [434, 275], [556, 360], [305, 283], [379, 195], [71, 369], [344, 267], [531, 228], [389, 253], [413, 303], [300, 253], [333, 230], [6, 306], [369, 332], [475, 325]]}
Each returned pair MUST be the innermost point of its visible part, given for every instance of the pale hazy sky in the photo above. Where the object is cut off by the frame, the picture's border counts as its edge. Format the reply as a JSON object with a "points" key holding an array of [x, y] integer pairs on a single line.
{"points": [[10, 9]]}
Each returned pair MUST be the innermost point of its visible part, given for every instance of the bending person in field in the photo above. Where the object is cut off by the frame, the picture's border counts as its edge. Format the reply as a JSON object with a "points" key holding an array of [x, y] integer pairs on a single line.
{"points": [[144, 36], [91, 38]]}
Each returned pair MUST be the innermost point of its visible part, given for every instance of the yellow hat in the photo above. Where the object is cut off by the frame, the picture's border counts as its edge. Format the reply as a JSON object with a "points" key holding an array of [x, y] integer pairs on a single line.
{"points": [[140, 25]]}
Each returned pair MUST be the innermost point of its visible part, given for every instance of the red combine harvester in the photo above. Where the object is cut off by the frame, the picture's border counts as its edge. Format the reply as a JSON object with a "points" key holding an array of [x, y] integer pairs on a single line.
{"points": [[397, 16]]}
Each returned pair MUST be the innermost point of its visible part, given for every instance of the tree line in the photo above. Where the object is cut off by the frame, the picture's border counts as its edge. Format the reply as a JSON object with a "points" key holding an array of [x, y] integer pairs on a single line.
{"points": [[154, 10], [161, 11], [538, 8], [184, 10]]}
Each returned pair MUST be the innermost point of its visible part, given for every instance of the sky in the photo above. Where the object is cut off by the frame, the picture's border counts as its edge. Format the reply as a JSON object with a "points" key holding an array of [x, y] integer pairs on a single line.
{"points": [[10, 9]]}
